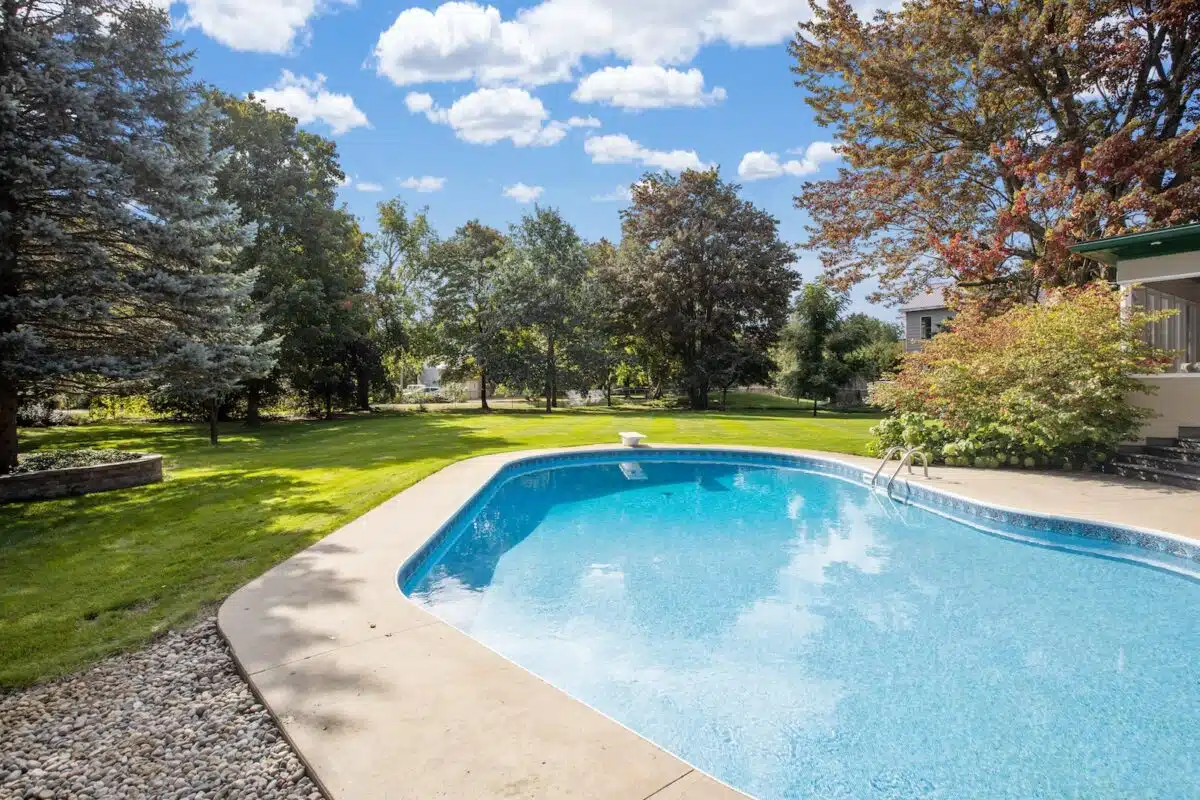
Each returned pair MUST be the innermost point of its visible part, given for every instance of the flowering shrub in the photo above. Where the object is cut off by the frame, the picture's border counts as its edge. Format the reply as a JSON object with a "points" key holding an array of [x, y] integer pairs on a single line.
{"points": [[1041, 384]]}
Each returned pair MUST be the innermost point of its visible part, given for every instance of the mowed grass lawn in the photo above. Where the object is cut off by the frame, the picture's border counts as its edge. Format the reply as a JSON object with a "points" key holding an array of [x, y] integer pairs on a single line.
{"points": [[84, 577]]}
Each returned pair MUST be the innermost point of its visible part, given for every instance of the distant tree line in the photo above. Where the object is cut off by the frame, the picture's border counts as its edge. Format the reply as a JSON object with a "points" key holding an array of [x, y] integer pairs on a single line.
{"points": [[162, 238]]}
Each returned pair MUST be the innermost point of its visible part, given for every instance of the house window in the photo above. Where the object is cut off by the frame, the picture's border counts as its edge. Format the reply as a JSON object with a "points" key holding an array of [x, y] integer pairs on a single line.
{"points": [[926, 327]]}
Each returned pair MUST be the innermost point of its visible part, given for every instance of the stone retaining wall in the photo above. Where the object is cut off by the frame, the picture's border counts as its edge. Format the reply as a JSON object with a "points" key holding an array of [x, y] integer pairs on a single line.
{"points": [[48, 483]]}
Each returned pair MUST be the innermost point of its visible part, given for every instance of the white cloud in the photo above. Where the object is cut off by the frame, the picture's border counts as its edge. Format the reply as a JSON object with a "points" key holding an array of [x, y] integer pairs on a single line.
{"points": [[583, 122], [308, 100], [646, 86], [544, 42], [758, 165], [618, 148], [487, 116], [460, 41], [418, 102], [265, 26], [619, 194], [367, 186], [427, 183], [523, 193]]}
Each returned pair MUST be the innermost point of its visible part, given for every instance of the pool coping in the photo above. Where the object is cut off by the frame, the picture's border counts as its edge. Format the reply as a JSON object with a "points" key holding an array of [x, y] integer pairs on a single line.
{"points": [[382, 699]]}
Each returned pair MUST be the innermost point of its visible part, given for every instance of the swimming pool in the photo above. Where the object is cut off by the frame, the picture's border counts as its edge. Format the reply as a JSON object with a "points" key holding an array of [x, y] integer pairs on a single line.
{"points": [[788, 631]]}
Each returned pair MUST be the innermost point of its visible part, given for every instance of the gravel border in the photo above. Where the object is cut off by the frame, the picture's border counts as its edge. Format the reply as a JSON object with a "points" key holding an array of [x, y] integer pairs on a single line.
{"points": [[174, 720]]}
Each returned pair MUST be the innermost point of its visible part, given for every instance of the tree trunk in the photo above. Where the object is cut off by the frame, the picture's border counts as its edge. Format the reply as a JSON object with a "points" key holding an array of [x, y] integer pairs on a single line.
{"points": [[550, 388], [328, 404], [814, 406], [253, 401], [8, 425], [483, 389], [363, 386], [214, 411], [608, 394], [724, 399]]}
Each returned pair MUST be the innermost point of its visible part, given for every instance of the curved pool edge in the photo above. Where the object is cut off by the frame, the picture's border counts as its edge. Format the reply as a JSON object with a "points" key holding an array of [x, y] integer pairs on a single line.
{"points": [[1133, 544], [381, 698]]}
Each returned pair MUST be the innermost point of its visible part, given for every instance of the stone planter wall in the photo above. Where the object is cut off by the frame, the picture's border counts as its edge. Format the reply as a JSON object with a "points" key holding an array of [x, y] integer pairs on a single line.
{"points": [[50, 483]]}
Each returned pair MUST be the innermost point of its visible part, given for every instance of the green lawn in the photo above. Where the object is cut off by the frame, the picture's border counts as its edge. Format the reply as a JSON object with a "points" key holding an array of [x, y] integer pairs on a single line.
{"points": [[81, 578]]}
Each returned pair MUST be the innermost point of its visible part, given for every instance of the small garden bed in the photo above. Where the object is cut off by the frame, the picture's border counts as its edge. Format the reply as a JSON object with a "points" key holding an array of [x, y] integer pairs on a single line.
{"points": [[61, 473], [62, 459]]}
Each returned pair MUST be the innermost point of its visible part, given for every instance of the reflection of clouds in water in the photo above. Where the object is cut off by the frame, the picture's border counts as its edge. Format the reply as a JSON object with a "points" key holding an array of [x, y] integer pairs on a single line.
{"points": [[893, 614], [788, 613], [610, 660], [701, 690], [795, 506], [604, 573], [852, 542], [451, 599]]}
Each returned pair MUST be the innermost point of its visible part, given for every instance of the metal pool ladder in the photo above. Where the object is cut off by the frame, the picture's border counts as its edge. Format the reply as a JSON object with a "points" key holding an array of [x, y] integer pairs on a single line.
{"points": [[886, 458], [905, 459]]}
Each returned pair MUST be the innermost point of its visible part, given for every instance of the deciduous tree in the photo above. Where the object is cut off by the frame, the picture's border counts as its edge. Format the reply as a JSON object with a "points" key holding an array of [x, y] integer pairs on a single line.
{"points": [[705, 273], [544, 282], [281, 179], [403, 285], [982, 139], [814, 371], [466, 308]]}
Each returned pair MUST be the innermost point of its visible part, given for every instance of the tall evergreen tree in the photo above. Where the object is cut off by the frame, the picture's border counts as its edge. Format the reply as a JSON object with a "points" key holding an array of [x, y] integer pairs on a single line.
{"points": [[114, 252], [213, 363]]}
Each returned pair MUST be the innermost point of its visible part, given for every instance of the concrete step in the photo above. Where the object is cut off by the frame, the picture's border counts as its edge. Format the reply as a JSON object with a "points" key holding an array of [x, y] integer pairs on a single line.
{"points": [[1168, 462], [1174, 453], [1165, 477]]}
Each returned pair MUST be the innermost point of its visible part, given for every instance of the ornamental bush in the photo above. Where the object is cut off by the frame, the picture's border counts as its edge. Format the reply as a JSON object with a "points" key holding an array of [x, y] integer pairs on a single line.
{"points": [[1043, 384]]}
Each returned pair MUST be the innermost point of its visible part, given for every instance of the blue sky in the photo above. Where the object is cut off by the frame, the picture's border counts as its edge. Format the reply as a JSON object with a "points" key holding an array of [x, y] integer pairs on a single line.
{"points": [[490, 107]]}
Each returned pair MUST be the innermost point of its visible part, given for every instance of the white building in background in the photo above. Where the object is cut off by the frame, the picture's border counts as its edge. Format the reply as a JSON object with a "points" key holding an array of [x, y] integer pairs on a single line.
{"points": [[431, 375], [923, 317]]}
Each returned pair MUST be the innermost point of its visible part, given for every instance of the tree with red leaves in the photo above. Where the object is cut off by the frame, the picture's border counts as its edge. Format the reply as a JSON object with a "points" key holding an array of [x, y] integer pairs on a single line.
{"points": [[982, 139]]}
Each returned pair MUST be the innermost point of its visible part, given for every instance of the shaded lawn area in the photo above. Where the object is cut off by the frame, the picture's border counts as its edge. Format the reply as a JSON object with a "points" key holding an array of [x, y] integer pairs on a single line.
{"points": [[84, 577]]}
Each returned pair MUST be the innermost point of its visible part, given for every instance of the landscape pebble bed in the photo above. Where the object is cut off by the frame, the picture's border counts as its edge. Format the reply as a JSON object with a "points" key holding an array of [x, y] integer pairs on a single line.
{"points": [[173, 720]]}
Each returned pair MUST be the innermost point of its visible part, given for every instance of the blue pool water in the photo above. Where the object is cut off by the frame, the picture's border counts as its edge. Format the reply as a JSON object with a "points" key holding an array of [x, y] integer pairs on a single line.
{"points": [[799, 637]]}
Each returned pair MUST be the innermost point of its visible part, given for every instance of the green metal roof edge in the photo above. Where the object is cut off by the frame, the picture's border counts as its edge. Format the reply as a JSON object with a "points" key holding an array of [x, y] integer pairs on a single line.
{"points": [[1179, 239]]}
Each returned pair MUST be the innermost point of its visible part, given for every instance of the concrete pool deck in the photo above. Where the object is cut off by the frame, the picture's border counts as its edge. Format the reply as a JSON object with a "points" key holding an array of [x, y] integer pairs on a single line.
{"points": [[383, 700]]}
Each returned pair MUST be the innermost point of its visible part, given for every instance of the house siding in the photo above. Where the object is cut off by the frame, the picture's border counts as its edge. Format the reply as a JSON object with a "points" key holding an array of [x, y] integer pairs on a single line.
{"points": [[1175, 402], [912, 325], [1158, 267]]}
